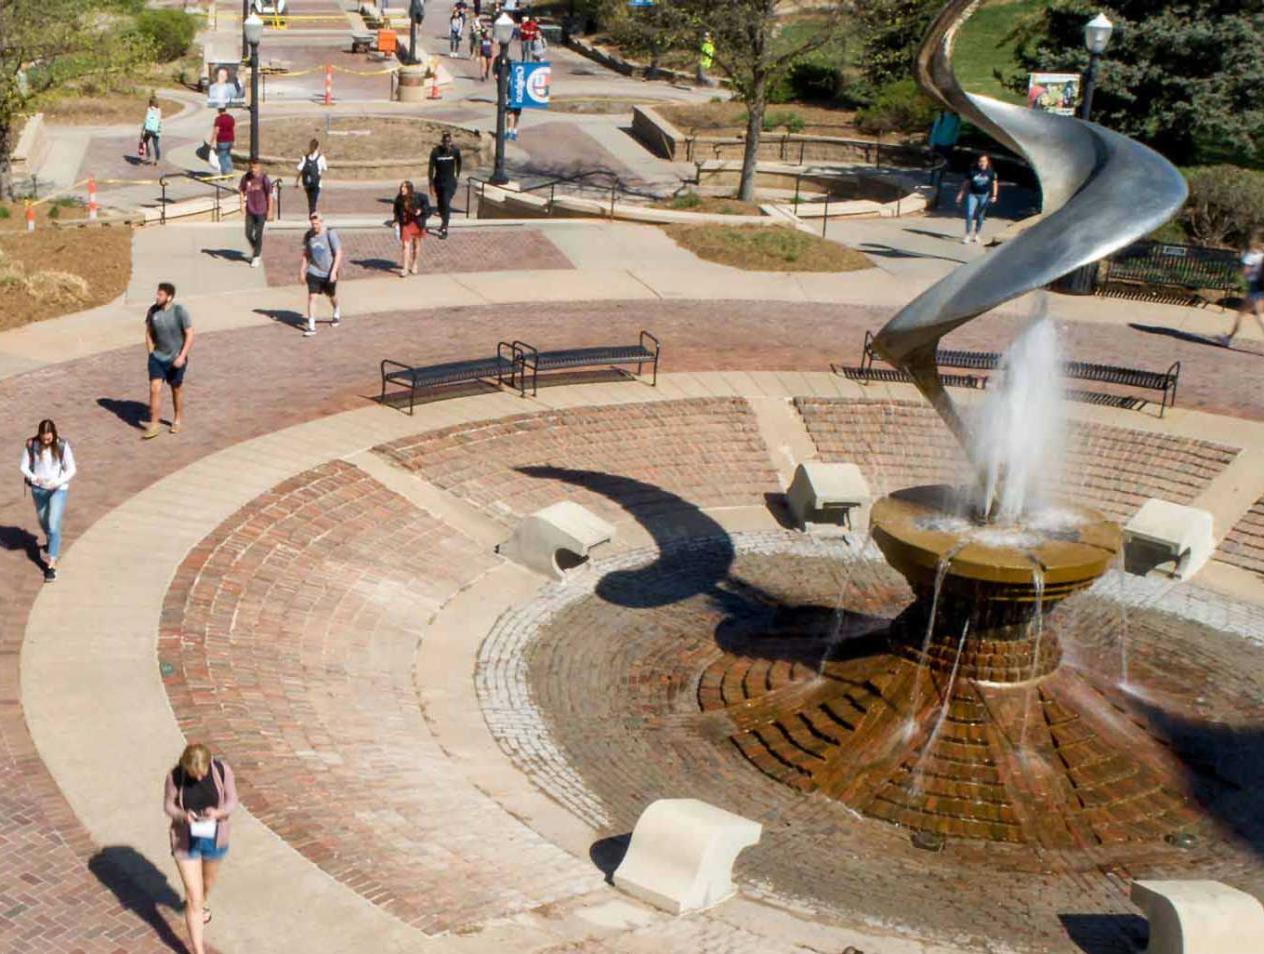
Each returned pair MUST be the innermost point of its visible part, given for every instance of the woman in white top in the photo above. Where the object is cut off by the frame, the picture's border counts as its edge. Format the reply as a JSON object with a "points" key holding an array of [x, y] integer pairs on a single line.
{"points": [[310, 170], [48, 464]]}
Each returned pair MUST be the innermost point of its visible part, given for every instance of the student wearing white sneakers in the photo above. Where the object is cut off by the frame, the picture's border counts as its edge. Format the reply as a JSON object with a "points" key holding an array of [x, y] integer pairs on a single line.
{"points": [[322, 260], [979, 190]]}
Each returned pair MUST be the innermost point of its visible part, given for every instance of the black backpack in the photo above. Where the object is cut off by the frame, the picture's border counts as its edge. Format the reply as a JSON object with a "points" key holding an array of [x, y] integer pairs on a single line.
{"points": [[311, 171]]}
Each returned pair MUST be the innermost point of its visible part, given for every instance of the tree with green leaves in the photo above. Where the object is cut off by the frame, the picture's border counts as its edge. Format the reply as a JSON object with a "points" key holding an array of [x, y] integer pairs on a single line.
{"points": [[1182, 77], [753, 52], [890, 33], [45, 44]]}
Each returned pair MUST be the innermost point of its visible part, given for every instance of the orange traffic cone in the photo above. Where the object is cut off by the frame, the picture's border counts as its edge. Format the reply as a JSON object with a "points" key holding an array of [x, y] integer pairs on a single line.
{"points": [[434, 85]]}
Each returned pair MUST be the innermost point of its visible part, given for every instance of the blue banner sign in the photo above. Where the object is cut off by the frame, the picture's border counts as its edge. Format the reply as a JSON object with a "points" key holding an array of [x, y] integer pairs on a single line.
{"points": [[529, 85]]}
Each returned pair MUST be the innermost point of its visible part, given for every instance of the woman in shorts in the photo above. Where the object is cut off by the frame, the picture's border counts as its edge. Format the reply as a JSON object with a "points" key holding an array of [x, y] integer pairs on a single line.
{"points": [[198, 797], [1253, 273], [408, 226]]}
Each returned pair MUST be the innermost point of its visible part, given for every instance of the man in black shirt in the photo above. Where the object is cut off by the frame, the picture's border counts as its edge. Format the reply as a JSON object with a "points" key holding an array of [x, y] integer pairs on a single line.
{"points": [[445, 170]]}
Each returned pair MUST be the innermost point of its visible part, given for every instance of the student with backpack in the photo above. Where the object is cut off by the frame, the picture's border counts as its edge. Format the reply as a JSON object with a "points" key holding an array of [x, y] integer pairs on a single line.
{"points": [[322, 259], [48, 465], [310, 169]]}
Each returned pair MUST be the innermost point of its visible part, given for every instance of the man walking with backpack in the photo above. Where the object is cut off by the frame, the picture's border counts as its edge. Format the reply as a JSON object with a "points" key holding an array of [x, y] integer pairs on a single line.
{"points": [[444, 172], [322, 259], [310, 168], [255, 190]]}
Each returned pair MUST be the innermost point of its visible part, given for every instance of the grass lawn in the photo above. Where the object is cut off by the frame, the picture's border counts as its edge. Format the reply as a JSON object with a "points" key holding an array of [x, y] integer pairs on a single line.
{"points": [[760, 248], [710, 204], [105, 110], [981, 47], [729, 118], [52, 271], [359, 138]]}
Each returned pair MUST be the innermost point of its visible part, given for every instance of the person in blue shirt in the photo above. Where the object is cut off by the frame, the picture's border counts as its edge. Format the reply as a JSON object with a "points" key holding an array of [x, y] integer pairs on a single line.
{"points": [[978, 190]]}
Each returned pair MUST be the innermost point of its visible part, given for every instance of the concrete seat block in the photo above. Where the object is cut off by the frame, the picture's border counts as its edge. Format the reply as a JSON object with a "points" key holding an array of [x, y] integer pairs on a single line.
{"points": [[556, 539], [1200, 917], [822, 492], [682, 853], [1183, 536]]}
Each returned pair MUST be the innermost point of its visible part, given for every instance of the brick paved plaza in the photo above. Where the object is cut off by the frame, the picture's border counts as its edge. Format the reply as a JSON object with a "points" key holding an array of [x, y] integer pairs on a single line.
{"points": [[438, 750]]}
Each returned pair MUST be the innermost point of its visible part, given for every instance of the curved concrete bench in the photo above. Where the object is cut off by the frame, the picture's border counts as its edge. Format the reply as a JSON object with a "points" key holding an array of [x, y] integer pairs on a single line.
{"points": [[556, 539], [682, 853], [825, 492], [1200, 917], [1169, 533]]}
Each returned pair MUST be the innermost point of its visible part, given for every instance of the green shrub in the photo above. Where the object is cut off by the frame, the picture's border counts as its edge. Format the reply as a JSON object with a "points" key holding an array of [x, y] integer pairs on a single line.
{"points": [[792, 121], [169, 32], [1225, 205], [5, 212], [54, 212], [817, 82], [686, 200], [897, 107]]}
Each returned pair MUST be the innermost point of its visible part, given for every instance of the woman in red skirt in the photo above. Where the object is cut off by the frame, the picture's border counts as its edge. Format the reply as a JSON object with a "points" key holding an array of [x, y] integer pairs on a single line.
{"points": [[408, 226]]}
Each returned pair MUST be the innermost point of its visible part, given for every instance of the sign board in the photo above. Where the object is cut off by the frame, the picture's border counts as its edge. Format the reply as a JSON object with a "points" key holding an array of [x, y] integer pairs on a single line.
{"points": [[640, 3], [529, 85], [1053, 92], [225, 88]]}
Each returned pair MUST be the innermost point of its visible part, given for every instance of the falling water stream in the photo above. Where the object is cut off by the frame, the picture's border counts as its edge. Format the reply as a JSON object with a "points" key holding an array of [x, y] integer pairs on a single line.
{"points": [[1038, 584], [941, 571], [943, 709], [1123, 619]]}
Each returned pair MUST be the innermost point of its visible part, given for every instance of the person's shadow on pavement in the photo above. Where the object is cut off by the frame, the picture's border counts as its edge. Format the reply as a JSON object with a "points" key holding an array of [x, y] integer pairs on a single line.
{"points": [[19, 538], [140, 887], [285, 316], [131, 413], [227, 254]]}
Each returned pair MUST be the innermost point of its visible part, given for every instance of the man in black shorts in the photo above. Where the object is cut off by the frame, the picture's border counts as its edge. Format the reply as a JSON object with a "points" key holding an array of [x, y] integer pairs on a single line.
{"points": [[444, 172], [322, 259], [168, 338]]}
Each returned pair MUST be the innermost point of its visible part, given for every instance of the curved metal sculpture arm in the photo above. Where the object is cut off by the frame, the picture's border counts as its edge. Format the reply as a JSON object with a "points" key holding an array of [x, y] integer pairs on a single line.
{"points": [[1102, 191]]}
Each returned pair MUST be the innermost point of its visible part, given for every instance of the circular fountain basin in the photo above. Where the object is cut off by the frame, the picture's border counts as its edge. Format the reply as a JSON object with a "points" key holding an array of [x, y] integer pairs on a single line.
{"points": [[916, 532]]}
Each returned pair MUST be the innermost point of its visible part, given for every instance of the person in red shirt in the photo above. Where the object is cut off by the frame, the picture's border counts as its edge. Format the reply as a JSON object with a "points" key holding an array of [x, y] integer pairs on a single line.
{"points": [[529, 32], [223, 132]]}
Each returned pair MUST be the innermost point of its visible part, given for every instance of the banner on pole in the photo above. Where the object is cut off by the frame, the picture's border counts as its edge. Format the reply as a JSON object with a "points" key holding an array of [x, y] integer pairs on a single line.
{"points": [[529, 85]]}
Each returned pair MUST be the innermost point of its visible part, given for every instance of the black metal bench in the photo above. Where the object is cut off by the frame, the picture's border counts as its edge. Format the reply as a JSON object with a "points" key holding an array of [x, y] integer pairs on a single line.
{"points": [[502, 366], [1187, 268], [532, 360], [1164, 381]]}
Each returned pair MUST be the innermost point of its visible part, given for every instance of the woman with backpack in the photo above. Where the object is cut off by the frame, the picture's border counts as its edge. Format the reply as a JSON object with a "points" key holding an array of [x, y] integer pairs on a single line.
{"points": [[151, 132], [48, 466], [410, 211], [310, 168], [198, 796]]}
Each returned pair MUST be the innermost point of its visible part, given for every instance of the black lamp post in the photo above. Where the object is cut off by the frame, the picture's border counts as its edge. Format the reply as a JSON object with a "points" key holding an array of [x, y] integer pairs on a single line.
{"points": [[252, 29], [502, 30], [245, 46], [416, 13], [1096, 36]]}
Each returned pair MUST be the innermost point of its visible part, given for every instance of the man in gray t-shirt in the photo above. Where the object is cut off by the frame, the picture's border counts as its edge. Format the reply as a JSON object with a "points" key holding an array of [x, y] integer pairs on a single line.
{"points": [[168, 338], [322, 260]]}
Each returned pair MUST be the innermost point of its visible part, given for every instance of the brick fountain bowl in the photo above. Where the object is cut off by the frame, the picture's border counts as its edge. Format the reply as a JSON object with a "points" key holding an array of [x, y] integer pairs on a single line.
{"points": [[961, 719]]}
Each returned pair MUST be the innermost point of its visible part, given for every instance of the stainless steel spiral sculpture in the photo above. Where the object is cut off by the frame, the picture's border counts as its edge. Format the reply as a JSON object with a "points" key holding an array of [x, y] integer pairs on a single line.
{"points": [[1102, 191]]}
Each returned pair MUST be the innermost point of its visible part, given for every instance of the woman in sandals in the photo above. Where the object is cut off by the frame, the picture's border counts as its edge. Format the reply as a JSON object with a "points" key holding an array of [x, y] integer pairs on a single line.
{"points": [[199, 796], [48, 465], [408, 220]]}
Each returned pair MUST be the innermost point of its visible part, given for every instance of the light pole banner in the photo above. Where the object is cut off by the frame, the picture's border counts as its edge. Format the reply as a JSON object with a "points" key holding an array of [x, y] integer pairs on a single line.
{"points": [[1053, 92], [529, 85]]}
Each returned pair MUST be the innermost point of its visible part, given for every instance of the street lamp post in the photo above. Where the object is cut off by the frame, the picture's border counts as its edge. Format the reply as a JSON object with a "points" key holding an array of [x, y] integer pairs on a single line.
{"points": [[502, 30], [245, 46], [1096, 36], [253, 30], [416, 13]]}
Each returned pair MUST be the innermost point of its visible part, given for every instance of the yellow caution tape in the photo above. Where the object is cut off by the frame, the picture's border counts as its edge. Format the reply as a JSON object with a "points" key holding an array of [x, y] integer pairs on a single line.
{"points": [[343, 69], [58, 194]]}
